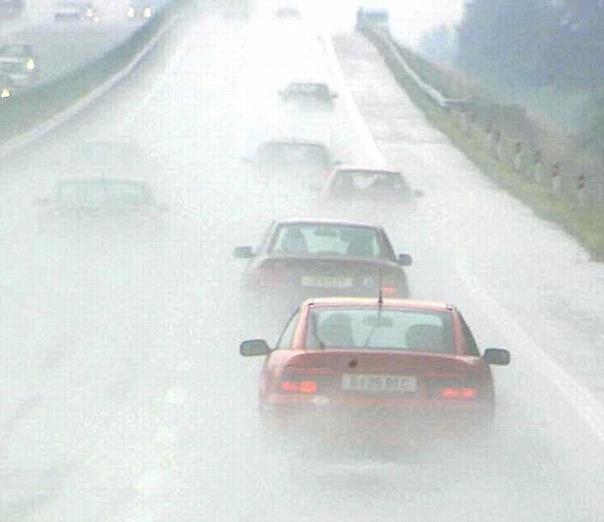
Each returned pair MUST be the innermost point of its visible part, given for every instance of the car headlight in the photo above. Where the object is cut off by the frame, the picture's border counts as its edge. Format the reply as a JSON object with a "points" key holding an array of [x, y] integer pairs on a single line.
{"points": [[131, 12], [147, 12], [30, 64], [5, 92]]}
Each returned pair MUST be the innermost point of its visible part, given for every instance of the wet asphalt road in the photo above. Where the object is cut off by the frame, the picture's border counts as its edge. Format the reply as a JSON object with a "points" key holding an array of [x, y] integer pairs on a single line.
{"points": [[123, 397]]}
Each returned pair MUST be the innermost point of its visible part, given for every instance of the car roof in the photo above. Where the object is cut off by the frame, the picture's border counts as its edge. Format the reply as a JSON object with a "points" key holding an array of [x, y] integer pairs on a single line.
{"points": [[99, 179], [307, 81], [435, 306], [6, 43], [293, 141], [365, 168], [324, 221]]}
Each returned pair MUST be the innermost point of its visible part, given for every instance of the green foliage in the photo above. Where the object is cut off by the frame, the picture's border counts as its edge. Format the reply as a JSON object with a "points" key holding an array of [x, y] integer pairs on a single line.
{"points": [[592, 132], [439, 44], [534, 43]]}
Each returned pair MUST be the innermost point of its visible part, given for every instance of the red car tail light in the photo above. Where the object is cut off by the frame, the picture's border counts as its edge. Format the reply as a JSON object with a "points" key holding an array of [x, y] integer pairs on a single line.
{"points": [[389, 290], [306, 386], [456, 392]]}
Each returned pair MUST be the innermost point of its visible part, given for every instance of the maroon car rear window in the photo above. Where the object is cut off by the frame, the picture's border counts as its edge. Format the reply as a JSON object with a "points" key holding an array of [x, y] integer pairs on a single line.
{"points": [[321, 239]]}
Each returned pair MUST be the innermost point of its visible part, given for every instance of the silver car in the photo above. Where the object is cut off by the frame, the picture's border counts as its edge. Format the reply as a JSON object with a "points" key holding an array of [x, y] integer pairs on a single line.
{"points": [[18, 63]]}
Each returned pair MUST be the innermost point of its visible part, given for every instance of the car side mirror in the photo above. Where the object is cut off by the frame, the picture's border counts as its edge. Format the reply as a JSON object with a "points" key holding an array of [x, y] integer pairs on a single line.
{"points": [[243, 252], [405, 260], [40, 202], [254, 348], [496, 356], [418, 193]]}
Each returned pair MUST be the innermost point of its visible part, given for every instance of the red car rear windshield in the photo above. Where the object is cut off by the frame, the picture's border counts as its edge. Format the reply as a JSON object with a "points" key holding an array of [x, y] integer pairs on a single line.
{"points": [[390, 329]]}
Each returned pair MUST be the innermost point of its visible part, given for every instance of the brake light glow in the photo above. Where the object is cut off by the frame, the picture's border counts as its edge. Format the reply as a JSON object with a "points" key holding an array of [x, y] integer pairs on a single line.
{"points": [[299, 386], [453, 392], [389, 290]]}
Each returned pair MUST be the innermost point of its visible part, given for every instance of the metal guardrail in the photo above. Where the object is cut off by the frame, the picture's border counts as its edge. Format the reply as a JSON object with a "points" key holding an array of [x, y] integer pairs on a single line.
{"points": [[506, 132], [381, 38]]}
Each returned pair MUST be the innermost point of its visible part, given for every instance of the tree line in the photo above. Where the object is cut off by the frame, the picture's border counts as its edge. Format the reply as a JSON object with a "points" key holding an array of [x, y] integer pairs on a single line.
{"points": [[539, 43]]}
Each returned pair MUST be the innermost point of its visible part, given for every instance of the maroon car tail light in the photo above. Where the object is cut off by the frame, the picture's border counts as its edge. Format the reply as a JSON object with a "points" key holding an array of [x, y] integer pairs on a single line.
{"points": [[306, 386], [458, 392]]}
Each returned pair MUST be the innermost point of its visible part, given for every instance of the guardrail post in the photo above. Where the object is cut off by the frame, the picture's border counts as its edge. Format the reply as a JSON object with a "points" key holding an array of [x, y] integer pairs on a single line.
{"points": [[517, 161], [494, 142], [556, 179], [470, 122], [498, 145], [580, 186], [538, 169]]}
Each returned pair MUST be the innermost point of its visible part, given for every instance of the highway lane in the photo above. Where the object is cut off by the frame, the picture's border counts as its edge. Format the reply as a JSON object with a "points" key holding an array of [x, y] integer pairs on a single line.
{"points": [[56, 51], [145, 411]]}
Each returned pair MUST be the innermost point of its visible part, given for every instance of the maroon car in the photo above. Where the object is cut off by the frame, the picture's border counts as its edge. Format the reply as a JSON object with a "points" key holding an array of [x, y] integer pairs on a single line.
{"points": [[306, 258]]}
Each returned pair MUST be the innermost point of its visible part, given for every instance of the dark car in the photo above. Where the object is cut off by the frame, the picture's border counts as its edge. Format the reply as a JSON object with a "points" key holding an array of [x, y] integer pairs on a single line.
{"points": [[116, 157], [75, 11], [99, 203], [18, 62], [292, 156], [306, 258], [349, 369], [140, 10], [11, 8], [7, 88], [287, 13], [308, 92], [358, 183]]}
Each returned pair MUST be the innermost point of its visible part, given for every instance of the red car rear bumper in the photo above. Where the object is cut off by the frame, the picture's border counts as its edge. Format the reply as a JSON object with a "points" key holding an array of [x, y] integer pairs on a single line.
{"points": [[387, 422]]}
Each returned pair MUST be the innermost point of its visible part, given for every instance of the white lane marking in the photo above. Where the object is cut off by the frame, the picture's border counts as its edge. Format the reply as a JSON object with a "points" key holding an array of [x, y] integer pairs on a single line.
{"points": [[166, 436], [369, 144], [576, 396], [579, 398], [176, 396], [167, 75], [148, 483], [183, 366]]}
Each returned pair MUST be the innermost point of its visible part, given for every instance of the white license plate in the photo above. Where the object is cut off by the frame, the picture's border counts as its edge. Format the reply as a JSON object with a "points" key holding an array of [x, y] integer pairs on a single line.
{"points": [[326, 281], [378, 383]]}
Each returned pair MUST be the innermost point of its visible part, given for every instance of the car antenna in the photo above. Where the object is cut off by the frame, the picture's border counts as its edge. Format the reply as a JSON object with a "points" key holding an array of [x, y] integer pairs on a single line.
{"points": [[379, 313]]}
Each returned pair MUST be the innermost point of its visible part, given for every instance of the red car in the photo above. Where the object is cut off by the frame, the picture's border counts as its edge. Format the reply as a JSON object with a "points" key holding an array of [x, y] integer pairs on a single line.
{"points": [[377, 367]]}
